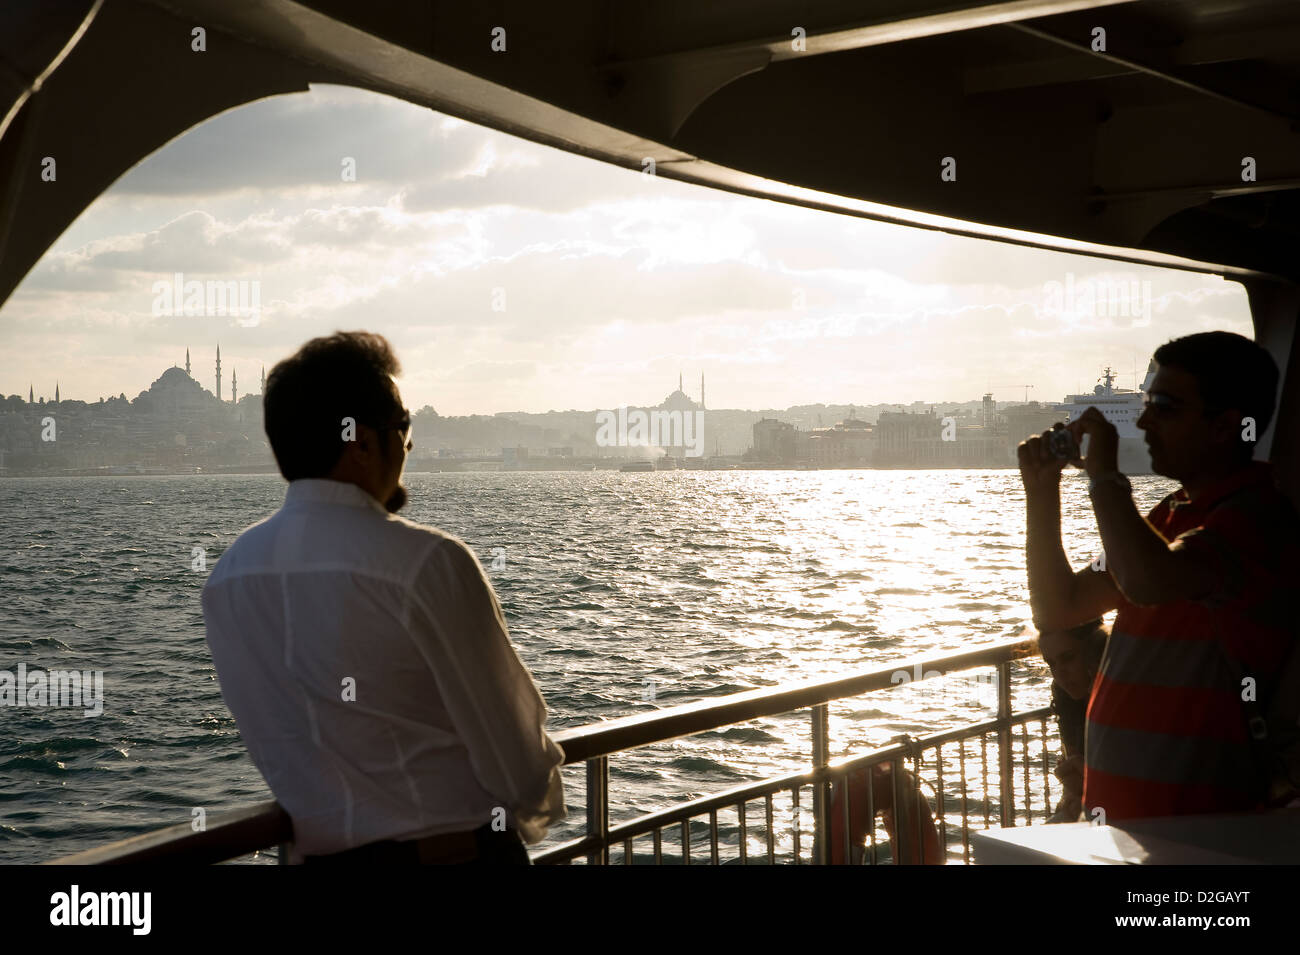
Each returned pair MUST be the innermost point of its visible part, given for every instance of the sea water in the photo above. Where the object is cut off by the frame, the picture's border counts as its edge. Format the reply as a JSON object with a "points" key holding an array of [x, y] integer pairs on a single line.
{"points": [[624, 593]]}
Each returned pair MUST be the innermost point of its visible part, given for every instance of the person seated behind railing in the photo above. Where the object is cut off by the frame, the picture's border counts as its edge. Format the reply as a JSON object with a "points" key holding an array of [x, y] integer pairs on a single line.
{"points": [[878, 781], [1073, 656]]}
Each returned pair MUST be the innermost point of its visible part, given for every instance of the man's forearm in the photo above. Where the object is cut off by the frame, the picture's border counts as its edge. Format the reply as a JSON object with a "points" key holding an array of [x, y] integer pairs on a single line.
{"points": [[1137, 556], [1051, 579]]}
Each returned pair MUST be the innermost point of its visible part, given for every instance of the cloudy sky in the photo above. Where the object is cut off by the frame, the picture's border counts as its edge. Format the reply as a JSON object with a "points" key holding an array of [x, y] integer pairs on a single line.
{"points": [[512, 276]]}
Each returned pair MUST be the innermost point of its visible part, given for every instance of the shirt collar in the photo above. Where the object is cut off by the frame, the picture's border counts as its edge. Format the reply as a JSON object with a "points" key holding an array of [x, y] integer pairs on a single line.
{"points": [[325, 491], [1259, 472]]}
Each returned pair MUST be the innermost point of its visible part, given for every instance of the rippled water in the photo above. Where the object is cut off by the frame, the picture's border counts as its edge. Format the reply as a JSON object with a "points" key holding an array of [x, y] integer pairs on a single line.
{"points": [[690, 584]]}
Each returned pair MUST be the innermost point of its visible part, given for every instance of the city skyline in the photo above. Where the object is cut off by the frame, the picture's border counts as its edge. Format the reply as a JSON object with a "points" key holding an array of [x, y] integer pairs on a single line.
{"points": [[36, 397]]}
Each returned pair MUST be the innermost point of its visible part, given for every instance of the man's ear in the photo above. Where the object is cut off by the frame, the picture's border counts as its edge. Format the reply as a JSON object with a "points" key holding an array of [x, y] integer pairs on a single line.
{"points": [[362, 444], [1226, 426], [367, 441]]}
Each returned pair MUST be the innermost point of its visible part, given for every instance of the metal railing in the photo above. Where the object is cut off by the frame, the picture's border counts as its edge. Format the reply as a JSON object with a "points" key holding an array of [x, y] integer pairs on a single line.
{"points": [[784, 818]]}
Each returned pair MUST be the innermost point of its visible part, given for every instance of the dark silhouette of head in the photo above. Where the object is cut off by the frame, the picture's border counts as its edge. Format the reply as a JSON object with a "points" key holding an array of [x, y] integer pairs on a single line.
{"points": [[1205, 389], [332, 410], [1074, 654]]}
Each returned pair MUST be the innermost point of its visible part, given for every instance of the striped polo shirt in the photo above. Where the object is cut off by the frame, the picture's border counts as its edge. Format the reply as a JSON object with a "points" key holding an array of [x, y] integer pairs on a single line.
{"points": [[1165, 733]]}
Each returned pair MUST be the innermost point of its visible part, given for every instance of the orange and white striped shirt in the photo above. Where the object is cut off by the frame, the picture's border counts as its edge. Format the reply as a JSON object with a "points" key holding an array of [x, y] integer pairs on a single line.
{"points": [[1166, 734]]}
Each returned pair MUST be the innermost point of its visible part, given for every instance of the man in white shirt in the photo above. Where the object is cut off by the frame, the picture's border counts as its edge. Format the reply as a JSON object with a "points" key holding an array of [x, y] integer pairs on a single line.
{"points": [[364, 656]]}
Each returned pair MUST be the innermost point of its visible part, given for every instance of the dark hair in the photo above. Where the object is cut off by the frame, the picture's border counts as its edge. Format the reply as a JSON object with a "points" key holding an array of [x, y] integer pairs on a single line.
{"points": [[310, 393], [1231, 371]]}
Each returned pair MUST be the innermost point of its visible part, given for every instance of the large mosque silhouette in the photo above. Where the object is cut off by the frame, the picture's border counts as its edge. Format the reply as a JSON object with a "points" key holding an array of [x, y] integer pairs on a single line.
{"points": [[177, 389], [177, 392]]}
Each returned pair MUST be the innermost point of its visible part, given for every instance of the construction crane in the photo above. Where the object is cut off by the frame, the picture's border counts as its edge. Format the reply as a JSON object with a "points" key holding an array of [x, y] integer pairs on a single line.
{"points": [[1026, 387]]}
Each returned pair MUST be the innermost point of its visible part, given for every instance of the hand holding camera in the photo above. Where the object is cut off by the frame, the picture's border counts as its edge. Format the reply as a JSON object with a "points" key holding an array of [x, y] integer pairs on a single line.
{"points": [[1043, 457], [1090, 442]]}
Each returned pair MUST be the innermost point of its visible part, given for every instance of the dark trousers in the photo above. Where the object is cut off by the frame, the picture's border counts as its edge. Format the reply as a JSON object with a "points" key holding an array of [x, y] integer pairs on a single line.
{"points": [[494, 848]]}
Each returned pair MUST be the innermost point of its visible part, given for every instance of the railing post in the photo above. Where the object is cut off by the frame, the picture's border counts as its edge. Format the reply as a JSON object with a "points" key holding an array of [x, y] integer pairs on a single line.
{"points": [[907, 804], [821, 801], [598, 808], [1005, 782]]}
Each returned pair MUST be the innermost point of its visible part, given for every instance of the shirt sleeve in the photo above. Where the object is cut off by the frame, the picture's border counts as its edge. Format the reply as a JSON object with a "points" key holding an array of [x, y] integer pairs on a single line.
{"points": [[495, 706]]}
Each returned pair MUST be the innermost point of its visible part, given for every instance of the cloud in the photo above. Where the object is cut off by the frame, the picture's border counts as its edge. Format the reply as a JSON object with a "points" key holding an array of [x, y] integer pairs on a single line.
{"points": [[610, 281], [299, 141], [296, 145]]}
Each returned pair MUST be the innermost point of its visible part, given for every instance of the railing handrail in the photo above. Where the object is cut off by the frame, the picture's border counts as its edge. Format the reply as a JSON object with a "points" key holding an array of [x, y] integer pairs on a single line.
{"points": [[642, 729], [753, 790], [255, 827], [240, 831]]}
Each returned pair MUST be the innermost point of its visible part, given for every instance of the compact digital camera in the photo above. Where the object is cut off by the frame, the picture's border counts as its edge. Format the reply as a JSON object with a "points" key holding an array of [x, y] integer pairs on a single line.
{"points": [[1062, 444]]}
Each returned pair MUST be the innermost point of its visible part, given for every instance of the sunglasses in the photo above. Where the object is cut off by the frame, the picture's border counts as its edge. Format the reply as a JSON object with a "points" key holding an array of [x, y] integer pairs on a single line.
{"points": [[402, 426], [1161, 404], [404, 423]]}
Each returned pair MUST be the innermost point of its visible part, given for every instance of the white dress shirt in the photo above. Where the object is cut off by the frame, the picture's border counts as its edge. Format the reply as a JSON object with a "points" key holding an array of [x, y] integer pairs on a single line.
{"points": [[333, 597]]}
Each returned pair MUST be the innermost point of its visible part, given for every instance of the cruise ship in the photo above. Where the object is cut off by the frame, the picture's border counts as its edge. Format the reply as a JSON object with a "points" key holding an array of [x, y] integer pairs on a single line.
{"points": [[1122, 408]]}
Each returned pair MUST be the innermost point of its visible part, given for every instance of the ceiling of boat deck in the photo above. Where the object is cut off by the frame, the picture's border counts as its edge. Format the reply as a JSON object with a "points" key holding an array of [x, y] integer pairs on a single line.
{"points": [[1140, 146]]}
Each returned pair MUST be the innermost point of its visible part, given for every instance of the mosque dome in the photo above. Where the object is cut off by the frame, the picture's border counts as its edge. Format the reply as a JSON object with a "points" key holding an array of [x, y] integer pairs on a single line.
{"points": [[173, 391]]}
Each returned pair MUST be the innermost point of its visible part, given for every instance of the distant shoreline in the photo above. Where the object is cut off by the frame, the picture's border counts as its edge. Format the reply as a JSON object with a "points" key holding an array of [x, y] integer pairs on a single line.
{"points": [[249, 471]]}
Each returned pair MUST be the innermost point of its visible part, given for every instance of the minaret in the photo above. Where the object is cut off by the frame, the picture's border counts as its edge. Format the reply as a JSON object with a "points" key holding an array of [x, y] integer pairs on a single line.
{"points": [[187, 362], [234, 387], [679, 382], [218, 372], [263, 379], [56, 392], [701, 391], [31, 395]]}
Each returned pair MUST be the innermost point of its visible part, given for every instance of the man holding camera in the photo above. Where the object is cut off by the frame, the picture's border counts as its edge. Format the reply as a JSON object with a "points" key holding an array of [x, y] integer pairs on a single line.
{"points": [[1201, 583]]}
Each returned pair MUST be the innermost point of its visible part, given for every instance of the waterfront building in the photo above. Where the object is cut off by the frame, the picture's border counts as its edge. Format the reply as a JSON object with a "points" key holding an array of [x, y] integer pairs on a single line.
{"points": [[774, 442], [1023, 421], [899, 432], [848, 443]]}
